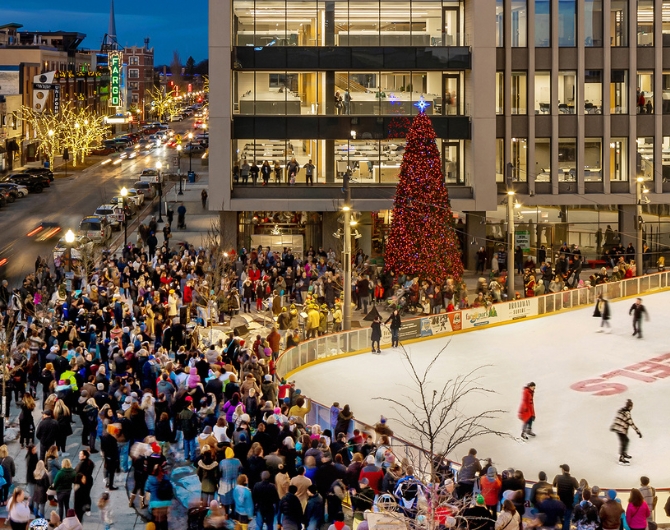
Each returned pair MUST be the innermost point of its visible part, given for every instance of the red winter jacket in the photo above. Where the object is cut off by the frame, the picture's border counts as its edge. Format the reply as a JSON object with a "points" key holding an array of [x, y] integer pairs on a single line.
{"points": [[527, 408]]}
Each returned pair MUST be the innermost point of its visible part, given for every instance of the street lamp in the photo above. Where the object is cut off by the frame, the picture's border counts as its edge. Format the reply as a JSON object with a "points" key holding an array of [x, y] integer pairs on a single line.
{"points": [[640, 189], [190, 152], [181, 192], [160, 191], [124, 194], [346, 257], [69, 239], [510, 245]]}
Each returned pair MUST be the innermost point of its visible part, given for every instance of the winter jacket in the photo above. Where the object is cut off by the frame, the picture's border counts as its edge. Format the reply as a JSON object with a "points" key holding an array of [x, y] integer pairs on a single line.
{"points": [[527, 408], [290, 509], [64, 479], [265, 497], [208, 473], [610, 515], [623, 421], [636, 516], [508, 521], [244, 504], [490, 489]]}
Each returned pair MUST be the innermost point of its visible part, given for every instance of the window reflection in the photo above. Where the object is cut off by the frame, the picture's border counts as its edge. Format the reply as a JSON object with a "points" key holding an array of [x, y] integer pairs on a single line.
{"points": [[542, 160], [619, 159], [644, 164], [542, 23], [593, 23], [619, 23], [349, 22], [567, 23]]}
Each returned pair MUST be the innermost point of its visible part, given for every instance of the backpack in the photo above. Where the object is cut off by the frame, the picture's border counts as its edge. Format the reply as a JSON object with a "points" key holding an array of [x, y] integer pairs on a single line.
{"points": [[165, 492]]}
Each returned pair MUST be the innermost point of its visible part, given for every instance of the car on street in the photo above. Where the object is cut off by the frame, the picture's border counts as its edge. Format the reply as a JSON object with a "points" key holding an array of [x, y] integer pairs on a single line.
{"points": [[34, 183], [4, 197], [177, 117], [112, 213], [194, 148], [128, 153], [131, 207], [136, 197], [102, 150], [21, 191], [146, 145], [95, 228], [12, 191], [45, 231], [39, 171], [80, 244], [145, 188]]}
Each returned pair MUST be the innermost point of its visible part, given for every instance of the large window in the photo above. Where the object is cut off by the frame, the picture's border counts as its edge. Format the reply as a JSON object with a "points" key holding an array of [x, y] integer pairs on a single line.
{"points": [[348, 23], [451, 160], [543, 23], [619, 159], [619, 23], [567, 23], [666, 21], [520, 159], [666, 93], [645, 93], [619, 92], [593, 23], [593, 160], [519, 92], [567, 92], [542, 159], [542, 92], [500, 160], [500, 24], [593, 91], [666, 158], [353, 93], [644, 165], [645, 22], [500, 93], [519, 23], [567, 159]]}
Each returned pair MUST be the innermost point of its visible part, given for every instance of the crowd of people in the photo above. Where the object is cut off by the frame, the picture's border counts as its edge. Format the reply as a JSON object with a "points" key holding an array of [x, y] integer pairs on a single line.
{"points": [[115, 356]]}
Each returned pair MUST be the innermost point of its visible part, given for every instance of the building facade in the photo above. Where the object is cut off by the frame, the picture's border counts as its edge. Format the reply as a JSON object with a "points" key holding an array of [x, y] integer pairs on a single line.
{"points": [[140, 68], [565, 101]]}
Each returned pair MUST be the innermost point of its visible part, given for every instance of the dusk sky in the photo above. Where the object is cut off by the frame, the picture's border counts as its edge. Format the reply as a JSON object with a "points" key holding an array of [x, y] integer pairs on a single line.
{"points": [[170, 24]]}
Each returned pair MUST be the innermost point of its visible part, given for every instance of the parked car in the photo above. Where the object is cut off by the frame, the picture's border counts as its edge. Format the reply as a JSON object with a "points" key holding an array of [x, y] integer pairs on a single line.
{"points": [[12, 191], [131, 207], [34, 183], [193, 148], [150, 175], [95, 228], [112, 213], [103, 150], [177, 117], [145, 188], [21, 191], [135, 196], [40, 171]]}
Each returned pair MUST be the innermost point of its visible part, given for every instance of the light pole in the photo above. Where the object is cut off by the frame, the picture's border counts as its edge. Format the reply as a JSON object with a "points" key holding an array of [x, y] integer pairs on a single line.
{"points": [[181, 192], [346, 257], [159, 166], [640, 189], [510, 245], [190, 152], [124, 194]]}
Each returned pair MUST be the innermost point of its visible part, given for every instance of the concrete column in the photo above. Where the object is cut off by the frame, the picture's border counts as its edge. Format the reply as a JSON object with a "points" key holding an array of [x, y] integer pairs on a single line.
{"points": [[627, 225], [607, 79], [657, 185], [329, 158], [554, 97], [475, 227], [228, 224]]}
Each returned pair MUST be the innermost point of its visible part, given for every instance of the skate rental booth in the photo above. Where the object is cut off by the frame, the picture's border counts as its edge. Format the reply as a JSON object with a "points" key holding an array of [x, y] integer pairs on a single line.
{"points": [[582, 379]]}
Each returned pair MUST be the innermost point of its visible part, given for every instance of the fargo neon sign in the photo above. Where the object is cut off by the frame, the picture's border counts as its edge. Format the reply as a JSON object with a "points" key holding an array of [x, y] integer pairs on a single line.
{"points": [[608, 384], [115, 79]]}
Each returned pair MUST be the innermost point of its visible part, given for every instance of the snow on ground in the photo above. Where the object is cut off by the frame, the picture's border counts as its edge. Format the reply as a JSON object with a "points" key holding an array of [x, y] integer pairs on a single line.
{"points": [[556, 352]]}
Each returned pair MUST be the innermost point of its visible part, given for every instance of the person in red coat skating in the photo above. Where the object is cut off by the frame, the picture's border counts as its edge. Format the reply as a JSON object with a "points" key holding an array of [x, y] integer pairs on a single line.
{"points": [[527, 411]]}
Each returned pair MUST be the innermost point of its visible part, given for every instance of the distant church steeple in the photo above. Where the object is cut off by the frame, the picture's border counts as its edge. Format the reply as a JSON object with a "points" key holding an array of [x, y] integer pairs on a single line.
{"points": [[109, 42]]}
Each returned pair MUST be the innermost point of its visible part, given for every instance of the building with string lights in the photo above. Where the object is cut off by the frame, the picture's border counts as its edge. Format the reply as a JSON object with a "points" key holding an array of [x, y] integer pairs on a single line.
{"points": [[562, 101]]}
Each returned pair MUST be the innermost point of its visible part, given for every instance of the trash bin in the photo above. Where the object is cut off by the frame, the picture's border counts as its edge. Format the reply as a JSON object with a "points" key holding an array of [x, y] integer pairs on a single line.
{"points": [[191, 176]]}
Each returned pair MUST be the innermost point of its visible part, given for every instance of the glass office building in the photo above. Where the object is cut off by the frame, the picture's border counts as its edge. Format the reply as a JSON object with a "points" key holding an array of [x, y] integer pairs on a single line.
{"points": [[565, 99]]}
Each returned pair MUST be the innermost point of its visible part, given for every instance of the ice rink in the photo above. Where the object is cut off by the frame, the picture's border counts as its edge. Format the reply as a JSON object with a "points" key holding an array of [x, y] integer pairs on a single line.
{"points": [[582, 378]]}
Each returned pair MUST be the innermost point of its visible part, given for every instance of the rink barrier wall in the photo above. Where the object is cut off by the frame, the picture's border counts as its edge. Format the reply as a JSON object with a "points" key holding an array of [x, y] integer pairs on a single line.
{"points": [[357, 341]]}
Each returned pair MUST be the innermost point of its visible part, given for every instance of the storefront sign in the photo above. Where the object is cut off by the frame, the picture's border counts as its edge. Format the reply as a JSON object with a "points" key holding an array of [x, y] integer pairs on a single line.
{"points": [[56, 99], [115, 66]]}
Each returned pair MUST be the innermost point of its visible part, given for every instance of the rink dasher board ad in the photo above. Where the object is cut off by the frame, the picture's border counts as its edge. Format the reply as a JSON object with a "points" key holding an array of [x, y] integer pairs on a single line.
{"points": [[474, 317]]}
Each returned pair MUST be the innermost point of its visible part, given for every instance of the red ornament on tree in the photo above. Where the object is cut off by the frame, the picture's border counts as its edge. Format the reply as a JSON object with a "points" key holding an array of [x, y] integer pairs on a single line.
{"points": [[422, 241]]}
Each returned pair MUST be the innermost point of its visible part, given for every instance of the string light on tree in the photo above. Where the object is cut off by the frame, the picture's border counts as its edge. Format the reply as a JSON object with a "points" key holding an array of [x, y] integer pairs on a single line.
{"points": [[422, 241]]}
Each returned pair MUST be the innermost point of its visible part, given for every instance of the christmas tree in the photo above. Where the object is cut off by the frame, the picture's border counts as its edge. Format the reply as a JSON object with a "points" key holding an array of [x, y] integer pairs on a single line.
{"points": [[422, 241]]}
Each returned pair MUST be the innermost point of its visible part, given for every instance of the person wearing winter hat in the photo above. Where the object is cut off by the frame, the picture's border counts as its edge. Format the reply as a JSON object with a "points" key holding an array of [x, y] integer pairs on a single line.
{"points": [[478, 517], [491, 485], [611, 512]]}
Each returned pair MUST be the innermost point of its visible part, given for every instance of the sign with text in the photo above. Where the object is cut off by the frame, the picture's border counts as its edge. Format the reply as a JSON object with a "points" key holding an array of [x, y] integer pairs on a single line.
{"points": [[115, 66], [56, 99]]}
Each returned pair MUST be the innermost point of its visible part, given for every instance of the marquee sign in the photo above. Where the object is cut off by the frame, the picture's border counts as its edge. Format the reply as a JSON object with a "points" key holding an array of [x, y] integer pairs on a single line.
{"points": [[115, 66]]}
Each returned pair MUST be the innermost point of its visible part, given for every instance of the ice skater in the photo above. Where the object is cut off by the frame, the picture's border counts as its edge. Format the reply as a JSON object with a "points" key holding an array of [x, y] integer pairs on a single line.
{"points": [[396, 324], [622, 422], [527, 410], [637, 309], [376, 335], [602, 310]]}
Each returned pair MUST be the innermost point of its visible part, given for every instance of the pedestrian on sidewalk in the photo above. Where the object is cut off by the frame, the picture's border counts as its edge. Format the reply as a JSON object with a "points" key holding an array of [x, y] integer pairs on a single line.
{"points": [[170, 214], [203, 197], [167, 234], [622, 422], [181, 217], [527, 410], [637, 309]]}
